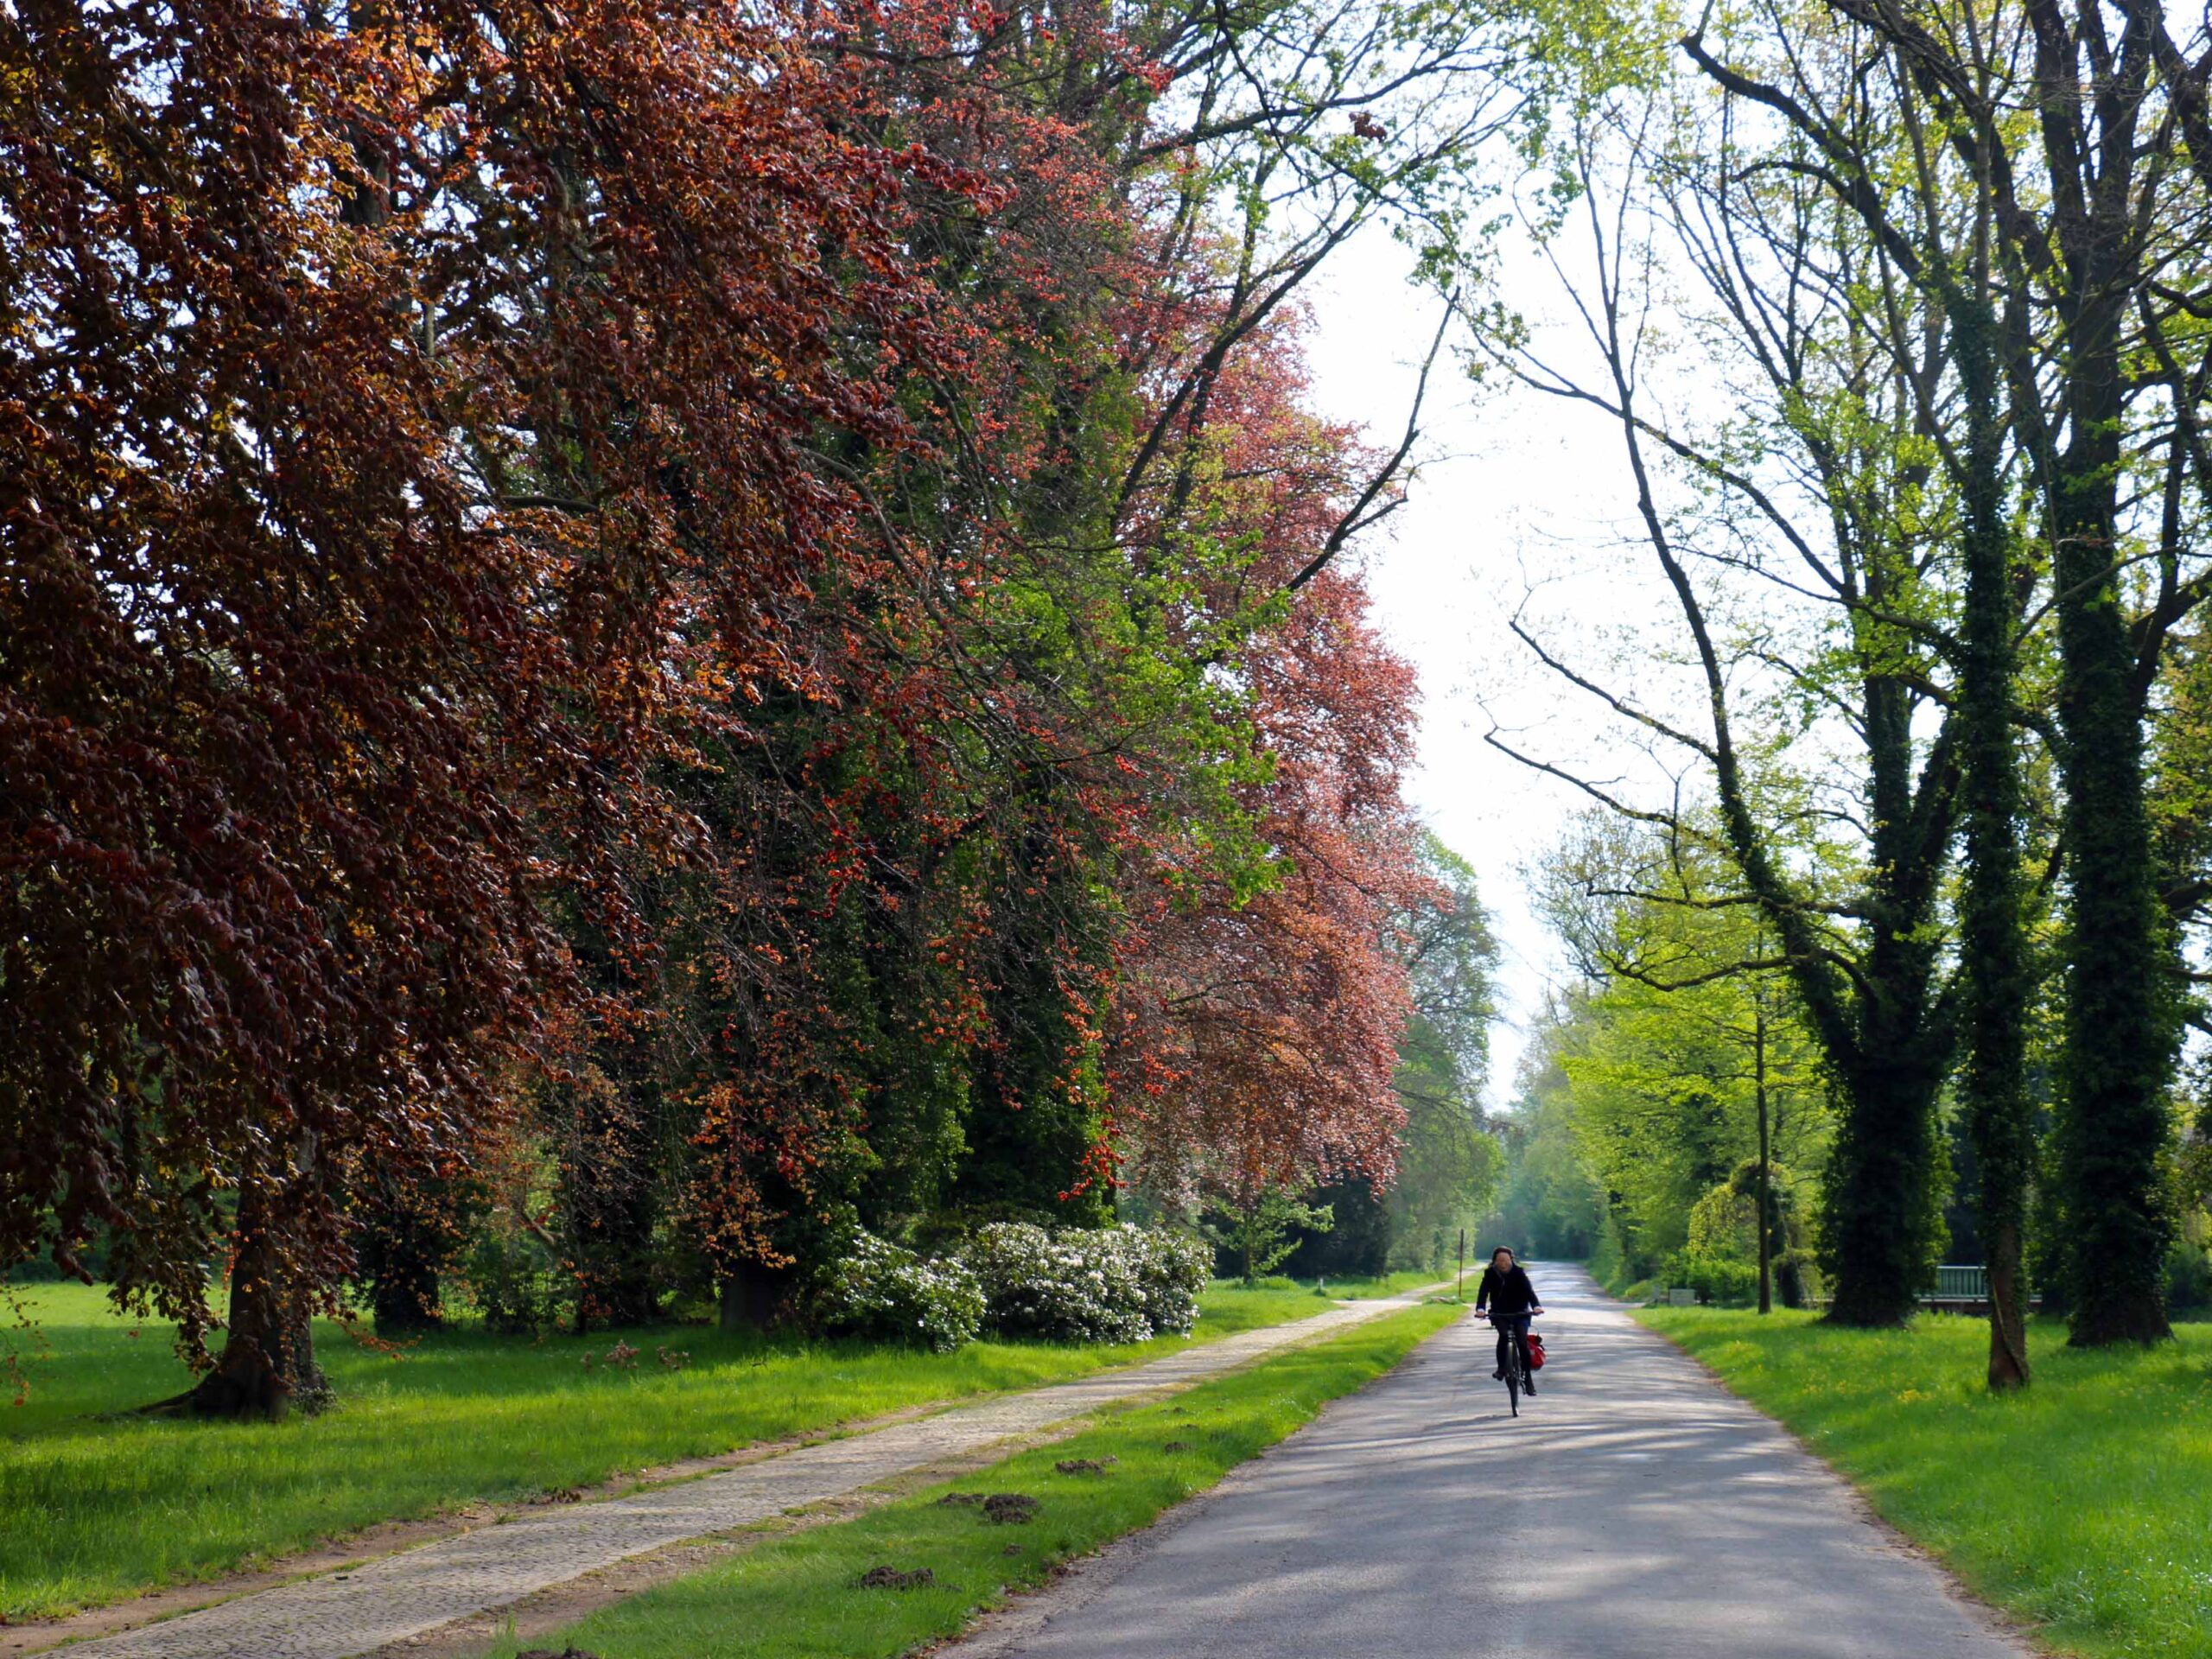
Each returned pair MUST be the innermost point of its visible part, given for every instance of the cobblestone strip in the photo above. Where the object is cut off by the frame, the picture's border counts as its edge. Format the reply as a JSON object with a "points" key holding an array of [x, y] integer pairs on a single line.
{"points": [[342, 1614]]}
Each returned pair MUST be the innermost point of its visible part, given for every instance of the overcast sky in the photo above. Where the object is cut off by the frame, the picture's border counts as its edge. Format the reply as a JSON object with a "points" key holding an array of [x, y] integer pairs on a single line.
{"points": [[1528, 492]]}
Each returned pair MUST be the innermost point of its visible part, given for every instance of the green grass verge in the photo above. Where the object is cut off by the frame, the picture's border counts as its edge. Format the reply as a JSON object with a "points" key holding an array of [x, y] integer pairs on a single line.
{"points": [[1389, 1284], [101, 1508], [2079, 1505], [1370, 1288], [799, 1596]]}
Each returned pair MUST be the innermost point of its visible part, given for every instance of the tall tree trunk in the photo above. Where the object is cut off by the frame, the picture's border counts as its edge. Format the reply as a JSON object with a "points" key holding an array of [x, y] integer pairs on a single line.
{"points": [[404, 1298], [267, 1367], [1879, 1214], [404, 1239], [1879, 1198], [1873, 1018], [752, 1296], [1993, 945], [611, 1190], [2073, 249], [2112, 1126]]}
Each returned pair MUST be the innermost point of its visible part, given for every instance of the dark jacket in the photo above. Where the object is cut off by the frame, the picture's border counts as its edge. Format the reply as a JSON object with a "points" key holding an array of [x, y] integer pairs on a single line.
{"points": [[1505, 1293]]}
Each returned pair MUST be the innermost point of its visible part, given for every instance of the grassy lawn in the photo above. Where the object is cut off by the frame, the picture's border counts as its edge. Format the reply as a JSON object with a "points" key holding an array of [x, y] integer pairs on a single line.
{"points": [[2081, 1505], [100, 1508], [799, 1597]]}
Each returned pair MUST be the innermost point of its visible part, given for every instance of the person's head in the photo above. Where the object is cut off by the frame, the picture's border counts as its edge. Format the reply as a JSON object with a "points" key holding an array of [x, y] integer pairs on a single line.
{"points": [[1500, 1258]]}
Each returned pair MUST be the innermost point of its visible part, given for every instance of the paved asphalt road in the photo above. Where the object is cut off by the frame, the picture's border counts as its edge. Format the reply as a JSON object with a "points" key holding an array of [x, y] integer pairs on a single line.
{"points": [[1634, 1512]]}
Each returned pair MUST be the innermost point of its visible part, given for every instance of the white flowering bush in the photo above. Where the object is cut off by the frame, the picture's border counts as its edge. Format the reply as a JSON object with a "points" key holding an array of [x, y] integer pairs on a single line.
{"points": [[1060, 1285], [1108, 1284], [889, 1294], [1173, 1268]]}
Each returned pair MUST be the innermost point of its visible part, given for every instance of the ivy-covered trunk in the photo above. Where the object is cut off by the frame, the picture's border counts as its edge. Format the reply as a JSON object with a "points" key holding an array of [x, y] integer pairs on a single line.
{"points": [[2112, 1128], [408, 1228], [404, 1288], [1993, 943], [611, 1191], [1877, 1238], [1877, 1242]]}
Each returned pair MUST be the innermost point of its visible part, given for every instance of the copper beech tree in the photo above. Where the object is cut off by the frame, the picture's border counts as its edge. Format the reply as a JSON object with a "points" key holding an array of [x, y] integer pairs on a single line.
{"points": [[711, 589], [1263, 1028], [400, 422]]}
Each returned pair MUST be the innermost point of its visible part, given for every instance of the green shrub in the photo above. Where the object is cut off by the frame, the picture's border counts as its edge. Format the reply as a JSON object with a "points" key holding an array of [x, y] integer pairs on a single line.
{"points": [[1722, 1281], [2189, 1275], [513, 1281]]}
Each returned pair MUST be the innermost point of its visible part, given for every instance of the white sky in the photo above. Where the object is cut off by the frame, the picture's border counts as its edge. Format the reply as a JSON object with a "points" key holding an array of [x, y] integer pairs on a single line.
{"points": [[1529, 490]]}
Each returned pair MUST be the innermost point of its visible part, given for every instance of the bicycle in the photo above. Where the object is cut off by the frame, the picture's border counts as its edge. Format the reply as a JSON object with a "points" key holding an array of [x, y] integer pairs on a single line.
{"points": [[1520, 1377]]}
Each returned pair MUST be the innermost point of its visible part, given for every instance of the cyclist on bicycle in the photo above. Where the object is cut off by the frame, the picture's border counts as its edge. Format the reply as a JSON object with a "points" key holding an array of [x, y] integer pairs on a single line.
{"points": [[1507, 1297]]}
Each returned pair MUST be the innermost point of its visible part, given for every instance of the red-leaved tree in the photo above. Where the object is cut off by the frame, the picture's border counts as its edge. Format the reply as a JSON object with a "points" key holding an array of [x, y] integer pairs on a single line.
{"points": [[1262, 1026], [401, 425]]}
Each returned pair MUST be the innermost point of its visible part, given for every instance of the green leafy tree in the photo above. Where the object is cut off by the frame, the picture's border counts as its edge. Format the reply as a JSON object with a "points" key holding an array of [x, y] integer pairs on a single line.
{"points": [[1692, 1079], [2082, 299], [1260, 1229], [1550, 1203], [1448, 1162]]}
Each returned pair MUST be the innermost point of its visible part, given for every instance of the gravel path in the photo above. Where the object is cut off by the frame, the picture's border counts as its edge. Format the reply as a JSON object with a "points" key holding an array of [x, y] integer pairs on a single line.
{"points": [[341, 1614], [1636, 1510]]}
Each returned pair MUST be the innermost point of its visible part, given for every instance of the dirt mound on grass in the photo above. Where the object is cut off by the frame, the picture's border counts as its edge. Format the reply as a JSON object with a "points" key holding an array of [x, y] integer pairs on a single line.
{"points": [[890, 1578]]}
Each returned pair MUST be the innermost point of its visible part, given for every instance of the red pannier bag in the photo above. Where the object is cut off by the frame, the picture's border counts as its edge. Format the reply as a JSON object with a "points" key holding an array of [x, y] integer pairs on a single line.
{"points": [[1536, 1353]]}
